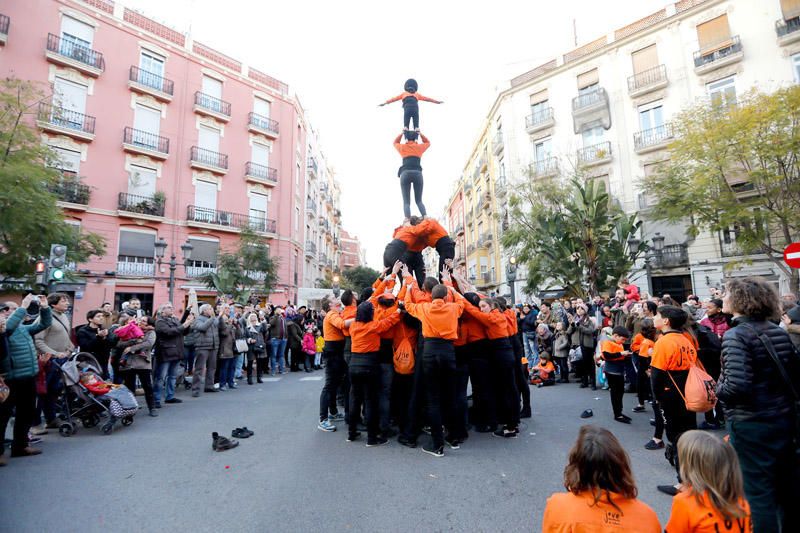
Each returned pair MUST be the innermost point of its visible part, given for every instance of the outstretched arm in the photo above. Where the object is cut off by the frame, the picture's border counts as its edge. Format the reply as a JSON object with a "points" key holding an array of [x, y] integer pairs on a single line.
{"points": [[390, 100], [427, 99]]}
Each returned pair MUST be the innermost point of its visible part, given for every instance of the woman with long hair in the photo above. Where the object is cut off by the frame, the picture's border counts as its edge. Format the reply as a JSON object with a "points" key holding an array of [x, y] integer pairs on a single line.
{"points": [[256, 348], [712, 495], [601, 493]]}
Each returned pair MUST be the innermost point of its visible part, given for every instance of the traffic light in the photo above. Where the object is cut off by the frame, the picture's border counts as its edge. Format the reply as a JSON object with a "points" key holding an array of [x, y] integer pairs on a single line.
{"points": [[40, 272], [58, 259]]}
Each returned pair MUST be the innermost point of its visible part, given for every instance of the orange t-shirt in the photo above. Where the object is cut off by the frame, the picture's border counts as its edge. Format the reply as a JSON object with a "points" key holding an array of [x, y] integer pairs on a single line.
{"points": [[571, 513], [673, 351], [366, 336], [645, 346], [690, 516], [439, 318], [332, 326], [431, 231], [611, 347], [495, 322], [636, 342], [348, 313]]}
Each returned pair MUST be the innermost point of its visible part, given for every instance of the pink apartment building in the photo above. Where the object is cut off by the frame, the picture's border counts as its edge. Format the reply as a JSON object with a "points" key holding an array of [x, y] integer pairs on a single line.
{"points": [[171, 140], [350, 255]]}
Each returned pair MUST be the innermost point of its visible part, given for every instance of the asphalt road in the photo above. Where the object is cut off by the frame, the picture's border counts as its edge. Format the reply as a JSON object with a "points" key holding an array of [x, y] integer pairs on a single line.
{"points": [[161, 473]]}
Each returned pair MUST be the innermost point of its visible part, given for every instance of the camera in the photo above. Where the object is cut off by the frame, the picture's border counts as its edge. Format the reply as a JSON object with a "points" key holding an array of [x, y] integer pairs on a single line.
{"points": [[33, 308]]}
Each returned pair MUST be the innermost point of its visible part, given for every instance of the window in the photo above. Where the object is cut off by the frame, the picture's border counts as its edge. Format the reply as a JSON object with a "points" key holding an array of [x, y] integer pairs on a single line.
{"points": [[714, 33], [76, 32], [204, 255], [722, 92], [296, 219], [796, 67], [208, 138], [651, 115], [212, 87], [69, 95], [644, 59], [67, 161], [146, 125], [136, 247], [539, 107], [542, 150], [260, 154], [142, 181], [152, 64], [205, 195], [592, 136], [484, 265], [261, 107], [258, 210]]}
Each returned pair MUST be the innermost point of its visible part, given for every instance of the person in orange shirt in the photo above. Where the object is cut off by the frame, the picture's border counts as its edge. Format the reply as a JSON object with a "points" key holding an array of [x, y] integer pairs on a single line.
{"points": [[406, 246], [435, 236], [479, 355], [544, 373], [520, 374], [649, 334], [386, 305], [410, 172], [601, 490], [410, 98], [335, 367], [365, 381], [674, 353], [614, 354], [712, 497], [440, 328]]}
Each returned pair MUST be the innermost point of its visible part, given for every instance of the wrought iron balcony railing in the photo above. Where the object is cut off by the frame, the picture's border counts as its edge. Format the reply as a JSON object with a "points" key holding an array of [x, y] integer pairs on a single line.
{"points": [[65, 118], [211, 103], [261, 172], [595, 153], [653, 136], [71, 191], [5, 23], [152, 80], [228, 219], [147, 140], [540, 116], [135, 266], [646, 78], [708, 56], [782, 27], [144, 205], [207, 157], [262, 122], [589, 99], [72, 50]]}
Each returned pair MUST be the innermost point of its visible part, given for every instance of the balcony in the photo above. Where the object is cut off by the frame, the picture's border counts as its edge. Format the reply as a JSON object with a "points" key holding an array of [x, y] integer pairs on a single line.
{"points": [[544, 168], [136, 266], [71, 54], [540, 120], [487, 278], [597, 154], [312, 167], [487, 200], [140, 207], [470, 249], [71, 193], [497, 143], [145, 82], [213, 107], [723, 54], [647, 81], [203, 159], [260, 174], [65, 121], [311, 207], [195, 271], [256, 275], [459, 230], [322, 258], [788, 31], [5, 22], [203, 217], [653, 139], [591, 109], [467, 187], [500, 187], [483, 163], [311, 250], [145, 143], [264, 125], [671, 256], [486, 240]]}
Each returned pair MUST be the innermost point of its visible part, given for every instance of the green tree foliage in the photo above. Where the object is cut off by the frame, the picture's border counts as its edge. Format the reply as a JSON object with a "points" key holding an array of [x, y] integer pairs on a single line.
{"points": [[359, 278], [570, 235], [30, 220], [245, 271], [735, 167]]}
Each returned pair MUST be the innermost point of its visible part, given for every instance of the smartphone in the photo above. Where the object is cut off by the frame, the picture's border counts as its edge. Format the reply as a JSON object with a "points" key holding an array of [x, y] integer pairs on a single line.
{"points": [[33, 308]]}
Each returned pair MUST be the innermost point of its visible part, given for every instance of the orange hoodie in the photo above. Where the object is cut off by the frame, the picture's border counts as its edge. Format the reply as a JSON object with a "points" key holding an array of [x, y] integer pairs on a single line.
{"points": [[470, 330], [412, 149], [439, 318], [495, 322], [431, 231], [332, 326], [366, 336], [348, 313]]}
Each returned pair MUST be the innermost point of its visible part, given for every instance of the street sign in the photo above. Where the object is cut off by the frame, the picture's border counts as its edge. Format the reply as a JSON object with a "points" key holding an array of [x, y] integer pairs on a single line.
{"points": [[791, 255]]}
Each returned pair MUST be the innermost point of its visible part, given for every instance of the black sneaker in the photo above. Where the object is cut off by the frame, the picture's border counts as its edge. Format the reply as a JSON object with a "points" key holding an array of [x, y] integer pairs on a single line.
{"points": [[377, 441], [220, 443], [506, 433], [436, 452], [454, 444], [668, 489], [157, 405], [653, 445], [249, 431], [353, 436], [485, 429], [240, 433], [426, 430], [173, 400], [622, 418], [405, 441], [653, 422], [639, 409]]}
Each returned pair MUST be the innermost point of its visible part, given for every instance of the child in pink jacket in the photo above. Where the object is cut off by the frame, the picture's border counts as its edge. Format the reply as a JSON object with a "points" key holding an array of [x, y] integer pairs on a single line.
{"points": [[309, 347]]}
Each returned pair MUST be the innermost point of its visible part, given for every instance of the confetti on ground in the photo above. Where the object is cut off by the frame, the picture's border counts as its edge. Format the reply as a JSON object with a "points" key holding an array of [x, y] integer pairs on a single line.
{"points": [[431, 475], [227, 467]]}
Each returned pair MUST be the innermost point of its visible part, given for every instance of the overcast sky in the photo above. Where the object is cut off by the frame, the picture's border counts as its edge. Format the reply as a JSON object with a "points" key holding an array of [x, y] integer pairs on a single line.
{"points": [[343, 58]]}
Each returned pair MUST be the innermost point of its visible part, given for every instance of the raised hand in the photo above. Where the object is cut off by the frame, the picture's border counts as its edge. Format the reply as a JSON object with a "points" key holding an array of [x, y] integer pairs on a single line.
{"points": [[397, 266], [27, 300]]}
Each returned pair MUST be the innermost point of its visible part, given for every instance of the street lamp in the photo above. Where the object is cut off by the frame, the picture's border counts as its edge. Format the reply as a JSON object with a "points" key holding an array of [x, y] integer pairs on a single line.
{"points": [[161, 248], [633, 248], [335, 286], [511, 275]]}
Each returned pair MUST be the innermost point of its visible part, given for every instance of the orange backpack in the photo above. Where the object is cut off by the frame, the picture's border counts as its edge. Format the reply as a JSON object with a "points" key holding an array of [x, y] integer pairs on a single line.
{"points": [[700, 393], [404, 357]]}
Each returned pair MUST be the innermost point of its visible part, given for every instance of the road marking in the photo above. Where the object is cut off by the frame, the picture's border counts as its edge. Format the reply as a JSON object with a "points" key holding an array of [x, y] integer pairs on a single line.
{"points": [[270, 380], [319, 378]]}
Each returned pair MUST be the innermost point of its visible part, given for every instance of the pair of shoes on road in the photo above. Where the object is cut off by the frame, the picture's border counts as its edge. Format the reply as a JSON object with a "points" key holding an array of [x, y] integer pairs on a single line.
{"points": [[625, 419], [220, 443], [653, 445], [242, 433], [430, 449], [405, 441], [173, 400], [454, 443], [326, 425]]}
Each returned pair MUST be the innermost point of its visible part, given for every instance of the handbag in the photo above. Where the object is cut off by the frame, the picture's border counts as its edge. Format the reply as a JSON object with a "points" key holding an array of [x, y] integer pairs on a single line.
{"points": [[575, 355], [241, 345], [4, 390]]}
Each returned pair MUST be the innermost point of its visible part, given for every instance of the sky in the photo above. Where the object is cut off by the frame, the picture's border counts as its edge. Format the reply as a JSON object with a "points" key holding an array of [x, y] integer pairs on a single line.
{"points": [[344, 58]]}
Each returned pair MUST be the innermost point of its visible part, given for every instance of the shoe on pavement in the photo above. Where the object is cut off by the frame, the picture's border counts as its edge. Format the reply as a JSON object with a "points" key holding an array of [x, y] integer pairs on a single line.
{"points": [[326, 425], [240, 433], [671, 490], [436, 452], [336, 417], [210, 390], [506, 433], [653, 445], [153, 413], [353, 436], [377, 441], [426, 430], [196, 394], [34, 440], [485, 429], [233, 385], [653, 422], [25, 452], [173, 400], [220, 443], [249, 432], [454, 444], [388, 434], [587, 413], [157, 405], [622, 418], [639, 409], [39, 430], [405, 441]]}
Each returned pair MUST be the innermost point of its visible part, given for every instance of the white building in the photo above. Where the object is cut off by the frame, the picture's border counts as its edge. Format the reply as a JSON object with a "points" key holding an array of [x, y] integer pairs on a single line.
{"points": [[606, 106]]}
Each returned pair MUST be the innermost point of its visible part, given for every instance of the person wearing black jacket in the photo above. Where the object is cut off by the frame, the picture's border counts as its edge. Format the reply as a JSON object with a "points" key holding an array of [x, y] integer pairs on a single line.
{"points": [[294, 333], [169, 351], [95, 339], [256, 334], [760, 404]]}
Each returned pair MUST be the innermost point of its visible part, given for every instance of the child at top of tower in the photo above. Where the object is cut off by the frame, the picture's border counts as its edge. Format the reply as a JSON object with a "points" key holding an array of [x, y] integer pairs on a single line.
{"points": [[410, 98]]}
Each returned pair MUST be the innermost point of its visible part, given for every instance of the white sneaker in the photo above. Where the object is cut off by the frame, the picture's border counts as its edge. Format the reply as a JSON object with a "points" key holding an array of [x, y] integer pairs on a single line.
{"points": [[39, 430], [326, 425]]}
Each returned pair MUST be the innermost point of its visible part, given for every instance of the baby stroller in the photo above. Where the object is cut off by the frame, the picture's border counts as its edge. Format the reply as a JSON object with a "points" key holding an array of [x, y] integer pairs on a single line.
{"points": [[79, 403]]}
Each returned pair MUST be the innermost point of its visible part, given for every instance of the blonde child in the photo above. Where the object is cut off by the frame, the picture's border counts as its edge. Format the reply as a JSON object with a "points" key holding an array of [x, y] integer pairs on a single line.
{"points": [[320, 347], [712, 490]]}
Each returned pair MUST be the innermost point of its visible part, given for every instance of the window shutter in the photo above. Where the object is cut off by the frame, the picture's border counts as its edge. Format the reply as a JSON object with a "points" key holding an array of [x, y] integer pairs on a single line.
{"points": [[539, 97], [205, 251], [790, 9], [644, 59], [80, 30], [713, 32], [136, 244], [588, 78]]}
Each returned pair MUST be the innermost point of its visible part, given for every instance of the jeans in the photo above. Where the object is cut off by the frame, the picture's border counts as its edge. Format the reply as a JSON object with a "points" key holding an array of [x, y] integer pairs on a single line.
{"points": [[770, 470], [277, 348], [165, 370], [23, 397], [407, 179], [385, 395], [237, 370], [411, 113], [531, 348], [335, 369], [189, 352], [227, 372], [365, 385], [439, 362]]}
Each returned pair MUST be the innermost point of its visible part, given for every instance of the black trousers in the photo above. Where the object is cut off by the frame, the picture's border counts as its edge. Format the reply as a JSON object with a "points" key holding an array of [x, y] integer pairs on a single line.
{"points": [[459, 425], [563, 368], [411, 114], [145, 378], [335, 368], [587, 366], [504, 382], [261, 364], [642, 379], [439, 361], [677, 421], [22, 396], [365, 383], [446, 248], [484, 409], [409, 178], [616, 386], [401, 396], [521, 377]]}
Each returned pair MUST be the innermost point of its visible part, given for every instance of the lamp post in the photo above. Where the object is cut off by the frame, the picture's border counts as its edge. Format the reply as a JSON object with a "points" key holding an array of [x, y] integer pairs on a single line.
{"points": [[336, 286], [186, 250], [650, 252], [511, 275]]}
